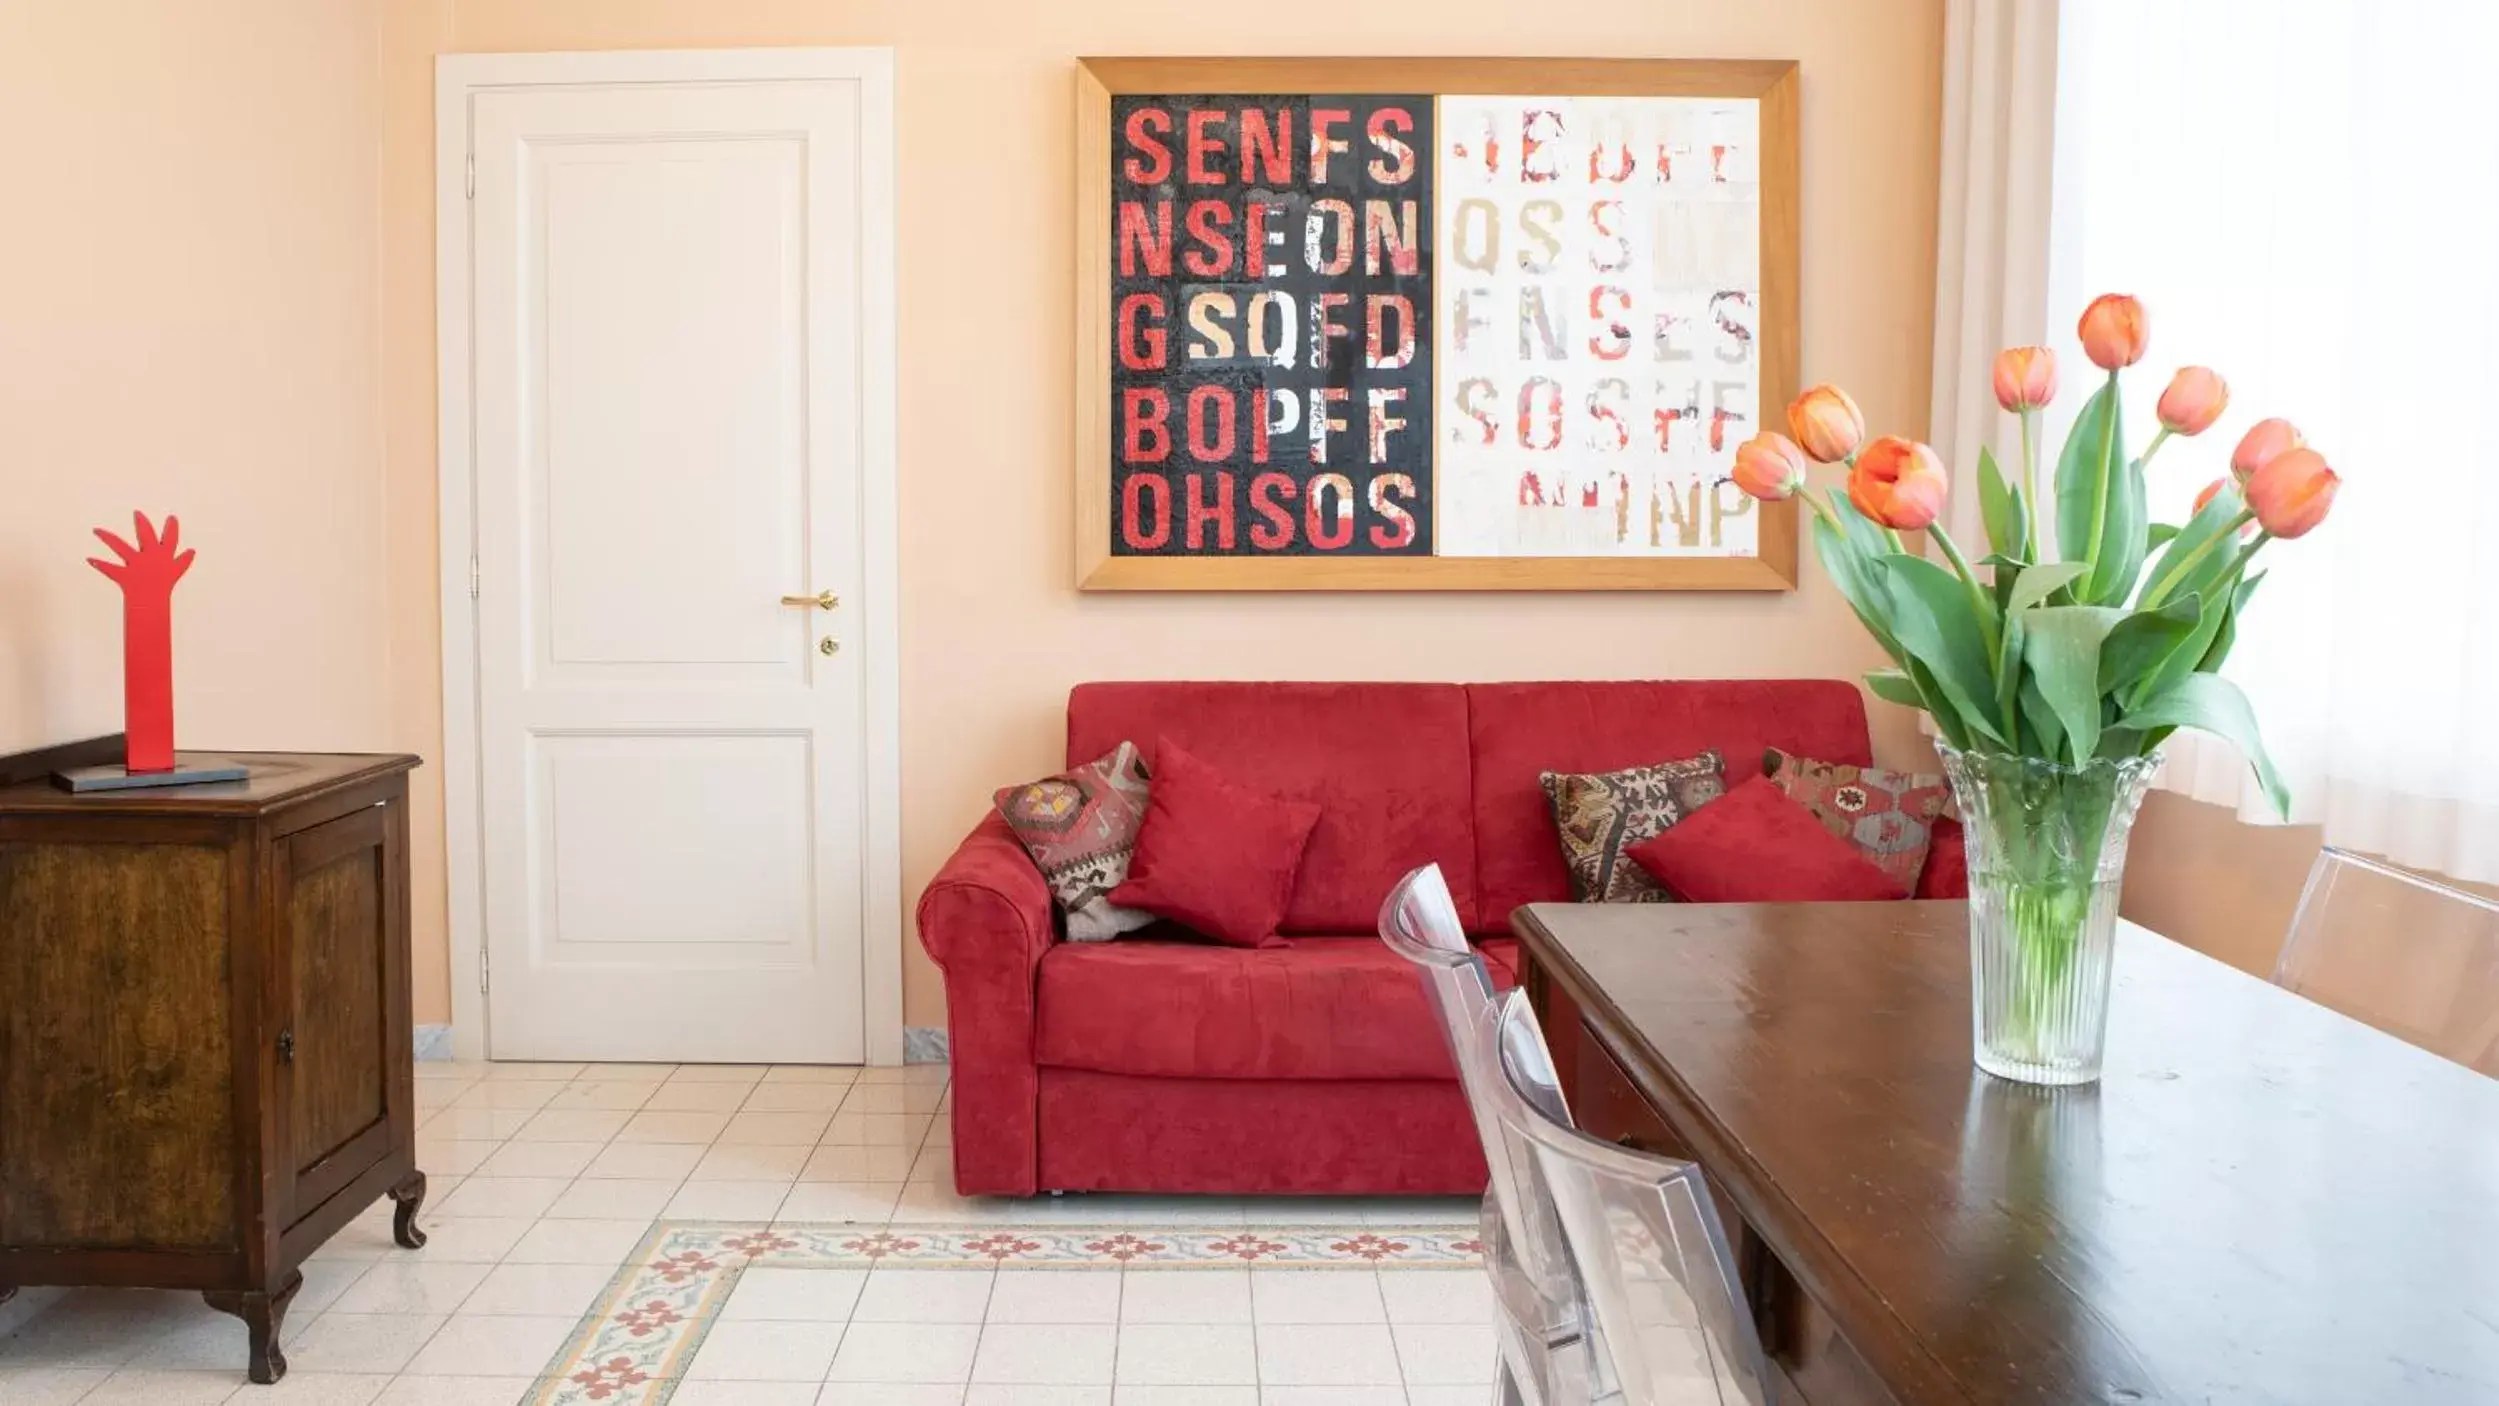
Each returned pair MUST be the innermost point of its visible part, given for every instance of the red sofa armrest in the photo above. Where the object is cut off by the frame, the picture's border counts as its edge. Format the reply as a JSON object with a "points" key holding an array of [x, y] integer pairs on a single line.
{"points": [[987, 919], [1947, 871]]}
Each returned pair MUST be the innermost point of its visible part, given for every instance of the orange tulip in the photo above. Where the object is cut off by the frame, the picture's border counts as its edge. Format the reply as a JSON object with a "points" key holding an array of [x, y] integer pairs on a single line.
{"points": [[2263, 441], [2025, 377], [1769, 466], [1827, 423], [2195, 399], [1898, 483], [2291, 492], [2114, 332]]}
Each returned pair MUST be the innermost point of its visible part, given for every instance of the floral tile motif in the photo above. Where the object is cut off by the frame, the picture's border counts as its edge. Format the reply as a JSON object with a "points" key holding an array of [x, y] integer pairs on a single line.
{"points": [[634, 1345]]}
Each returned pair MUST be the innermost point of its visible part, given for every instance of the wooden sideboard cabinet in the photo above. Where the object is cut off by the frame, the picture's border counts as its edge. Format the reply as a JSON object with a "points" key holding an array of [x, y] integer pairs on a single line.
{"points": [[206, 1061]]}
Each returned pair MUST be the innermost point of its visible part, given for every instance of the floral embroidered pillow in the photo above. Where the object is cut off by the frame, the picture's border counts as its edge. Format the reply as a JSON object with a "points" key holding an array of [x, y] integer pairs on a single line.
{"points": [[1080, 827], [1602, 815], [1889, 816]]}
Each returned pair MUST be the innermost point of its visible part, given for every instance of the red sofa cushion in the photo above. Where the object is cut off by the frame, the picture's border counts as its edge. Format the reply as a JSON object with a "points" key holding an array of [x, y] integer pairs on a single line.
{"points": [[1312, 1008], [1758, 844], [1386, 764], [1214, 856], [1266, 1137], [1517, 730]]}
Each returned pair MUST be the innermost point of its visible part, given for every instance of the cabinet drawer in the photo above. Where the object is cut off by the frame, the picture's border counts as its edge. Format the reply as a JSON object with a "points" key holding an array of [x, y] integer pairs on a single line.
{"points": [[1607, 1104]]}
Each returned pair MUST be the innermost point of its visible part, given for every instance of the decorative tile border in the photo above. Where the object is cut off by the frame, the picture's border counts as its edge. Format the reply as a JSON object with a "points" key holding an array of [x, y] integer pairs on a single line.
{"points": [[631, 1348]]}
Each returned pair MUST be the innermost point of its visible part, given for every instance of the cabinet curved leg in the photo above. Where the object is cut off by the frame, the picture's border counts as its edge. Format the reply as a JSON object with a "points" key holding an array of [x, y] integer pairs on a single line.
{"points": [[410, 1194], [264, 1316]]}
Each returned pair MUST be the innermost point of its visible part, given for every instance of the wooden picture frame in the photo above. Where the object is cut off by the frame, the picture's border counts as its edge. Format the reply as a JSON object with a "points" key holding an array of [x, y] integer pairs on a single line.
{"points": [[1772, 84]]}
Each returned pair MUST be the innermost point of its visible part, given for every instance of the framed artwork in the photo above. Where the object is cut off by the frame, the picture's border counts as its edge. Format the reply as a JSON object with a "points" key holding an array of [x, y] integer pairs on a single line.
{"points": [[1431, 324]]}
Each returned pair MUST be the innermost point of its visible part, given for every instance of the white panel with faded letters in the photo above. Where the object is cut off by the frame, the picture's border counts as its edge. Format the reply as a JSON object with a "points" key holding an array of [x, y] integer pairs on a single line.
{"points": [[1598, 274]]}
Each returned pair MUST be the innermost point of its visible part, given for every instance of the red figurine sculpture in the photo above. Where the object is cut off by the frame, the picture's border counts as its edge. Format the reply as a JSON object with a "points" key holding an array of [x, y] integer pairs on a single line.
{"points": [[146, 574]]}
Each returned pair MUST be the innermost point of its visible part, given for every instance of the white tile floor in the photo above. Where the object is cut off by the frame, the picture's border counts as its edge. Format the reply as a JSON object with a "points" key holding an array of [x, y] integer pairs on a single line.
{"points": [[546, 1177]]}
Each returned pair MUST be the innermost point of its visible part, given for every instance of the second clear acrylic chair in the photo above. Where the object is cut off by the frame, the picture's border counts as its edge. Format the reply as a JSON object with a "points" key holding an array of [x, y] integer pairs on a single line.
{"points": [[1671, 1320], [2416, 958], [1545, 1356]]}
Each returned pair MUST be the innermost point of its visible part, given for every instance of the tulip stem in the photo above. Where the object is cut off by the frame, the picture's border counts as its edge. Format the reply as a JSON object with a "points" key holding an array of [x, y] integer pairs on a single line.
{"points": [[2228, 585], [2100, 493], [1823, 509], [2036, 549], [2158, 439], [2160, 589]]}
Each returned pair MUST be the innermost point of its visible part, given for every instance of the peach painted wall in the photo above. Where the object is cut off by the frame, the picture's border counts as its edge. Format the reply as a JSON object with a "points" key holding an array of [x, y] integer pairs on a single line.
{"points": [[993, 633], [223, 306], [188, 324]]}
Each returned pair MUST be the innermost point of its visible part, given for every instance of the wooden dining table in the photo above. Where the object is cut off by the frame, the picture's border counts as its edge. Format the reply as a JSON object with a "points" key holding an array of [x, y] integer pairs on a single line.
{"points": [[2260, 1201]]}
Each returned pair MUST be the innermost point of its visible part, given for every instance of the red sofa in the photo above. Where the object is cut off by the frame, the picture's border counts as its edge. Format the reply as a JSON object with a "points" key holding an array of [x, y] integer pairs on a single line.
{"points": [[1313, 1067]]}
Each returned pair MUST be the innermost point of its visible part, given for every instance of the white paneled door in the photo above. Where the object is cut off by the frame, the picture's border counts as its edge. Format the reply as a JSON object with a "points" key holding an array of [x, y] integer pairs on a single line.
{"points": [[669, 407]]}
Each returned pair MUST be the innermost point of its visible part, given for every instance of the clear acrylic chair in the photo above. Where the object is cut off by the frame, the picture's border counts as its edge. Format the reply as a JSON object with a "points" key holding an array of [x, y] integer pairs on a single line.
{"points": [[1671, 1318], [1542, 1315], [2416, 958]]}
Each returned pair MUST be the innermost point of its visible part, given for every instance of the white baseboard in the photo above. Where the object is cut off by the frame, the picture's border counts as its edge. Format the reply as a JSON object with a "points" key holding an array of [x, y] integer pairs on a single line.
{"points": [[921, 1044]]}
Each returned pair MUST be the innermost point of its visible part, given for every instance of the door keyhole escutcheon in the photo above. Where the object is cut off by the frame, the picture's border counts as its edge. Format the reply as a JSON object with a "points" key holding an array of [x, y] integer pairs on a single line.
{"points": [[828, 645]]}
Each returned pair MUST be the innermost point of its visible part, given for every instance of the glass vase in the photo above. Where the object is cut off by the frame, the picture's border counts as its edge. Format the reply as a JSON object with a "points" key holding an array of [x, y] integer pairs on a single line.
{"points": [[2047, 854]]}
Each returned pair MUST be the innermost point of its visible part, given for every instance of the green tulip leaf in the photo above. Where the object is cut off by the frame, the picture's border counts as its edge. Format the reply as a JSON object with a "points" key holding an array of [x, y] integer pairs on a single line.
{"points": [[1860, 582], [1947, 720], [2142, 642], [1933, 618], [2156, 534], [2061, 644], [2212, 614], [2211, 703], [1895, 686], [2113, 577], [2203, 551], [1867, 535], [2120, 742], [2101, 514], [2037, 583], [2002, 572], [2000, 505], [2041, 718], [2228, 634]]}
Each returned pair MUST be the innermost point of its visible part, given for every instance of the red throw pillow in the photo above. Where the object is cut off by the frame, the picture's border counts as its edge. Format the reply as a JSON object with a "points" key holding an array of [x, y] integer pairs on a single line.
{"points": [[1888, 816], [1757, 845], [1213, 856]]}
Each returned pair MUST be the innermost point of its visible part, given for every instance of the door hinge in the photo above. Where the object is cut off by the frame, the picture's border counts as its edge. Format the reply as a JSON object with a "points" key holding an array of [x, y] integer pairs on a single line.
{"points": [[485, 969], [473, 577], [469, 176]]}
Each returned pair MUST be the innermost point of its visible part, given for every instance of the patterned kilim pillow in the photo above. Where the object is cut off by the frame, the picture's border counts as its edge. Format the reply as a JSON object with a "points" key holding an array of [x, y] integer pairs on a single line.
{"points": [[1888, 815], [1602, 815], [1080, 827]]}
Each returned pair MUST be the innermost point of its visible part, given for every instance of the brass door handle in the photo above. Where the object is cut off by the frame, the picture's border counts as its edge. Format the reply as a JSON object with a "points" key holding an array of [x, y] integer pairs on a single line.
{"points": [[823, 600]]}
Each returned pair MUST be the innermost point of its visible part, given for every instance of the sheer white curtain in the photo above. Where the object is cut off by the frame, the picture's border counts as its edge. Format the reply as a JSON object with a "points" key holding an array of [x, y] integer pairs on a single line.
{"points": [[1991, 230], [2305, 194]]}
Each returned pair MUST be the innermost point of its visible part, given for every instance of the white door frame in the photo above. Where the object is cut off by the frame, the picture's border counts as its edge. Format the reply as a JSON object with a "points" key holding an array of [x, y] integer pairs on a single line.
{"points": [[457, 79]]}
